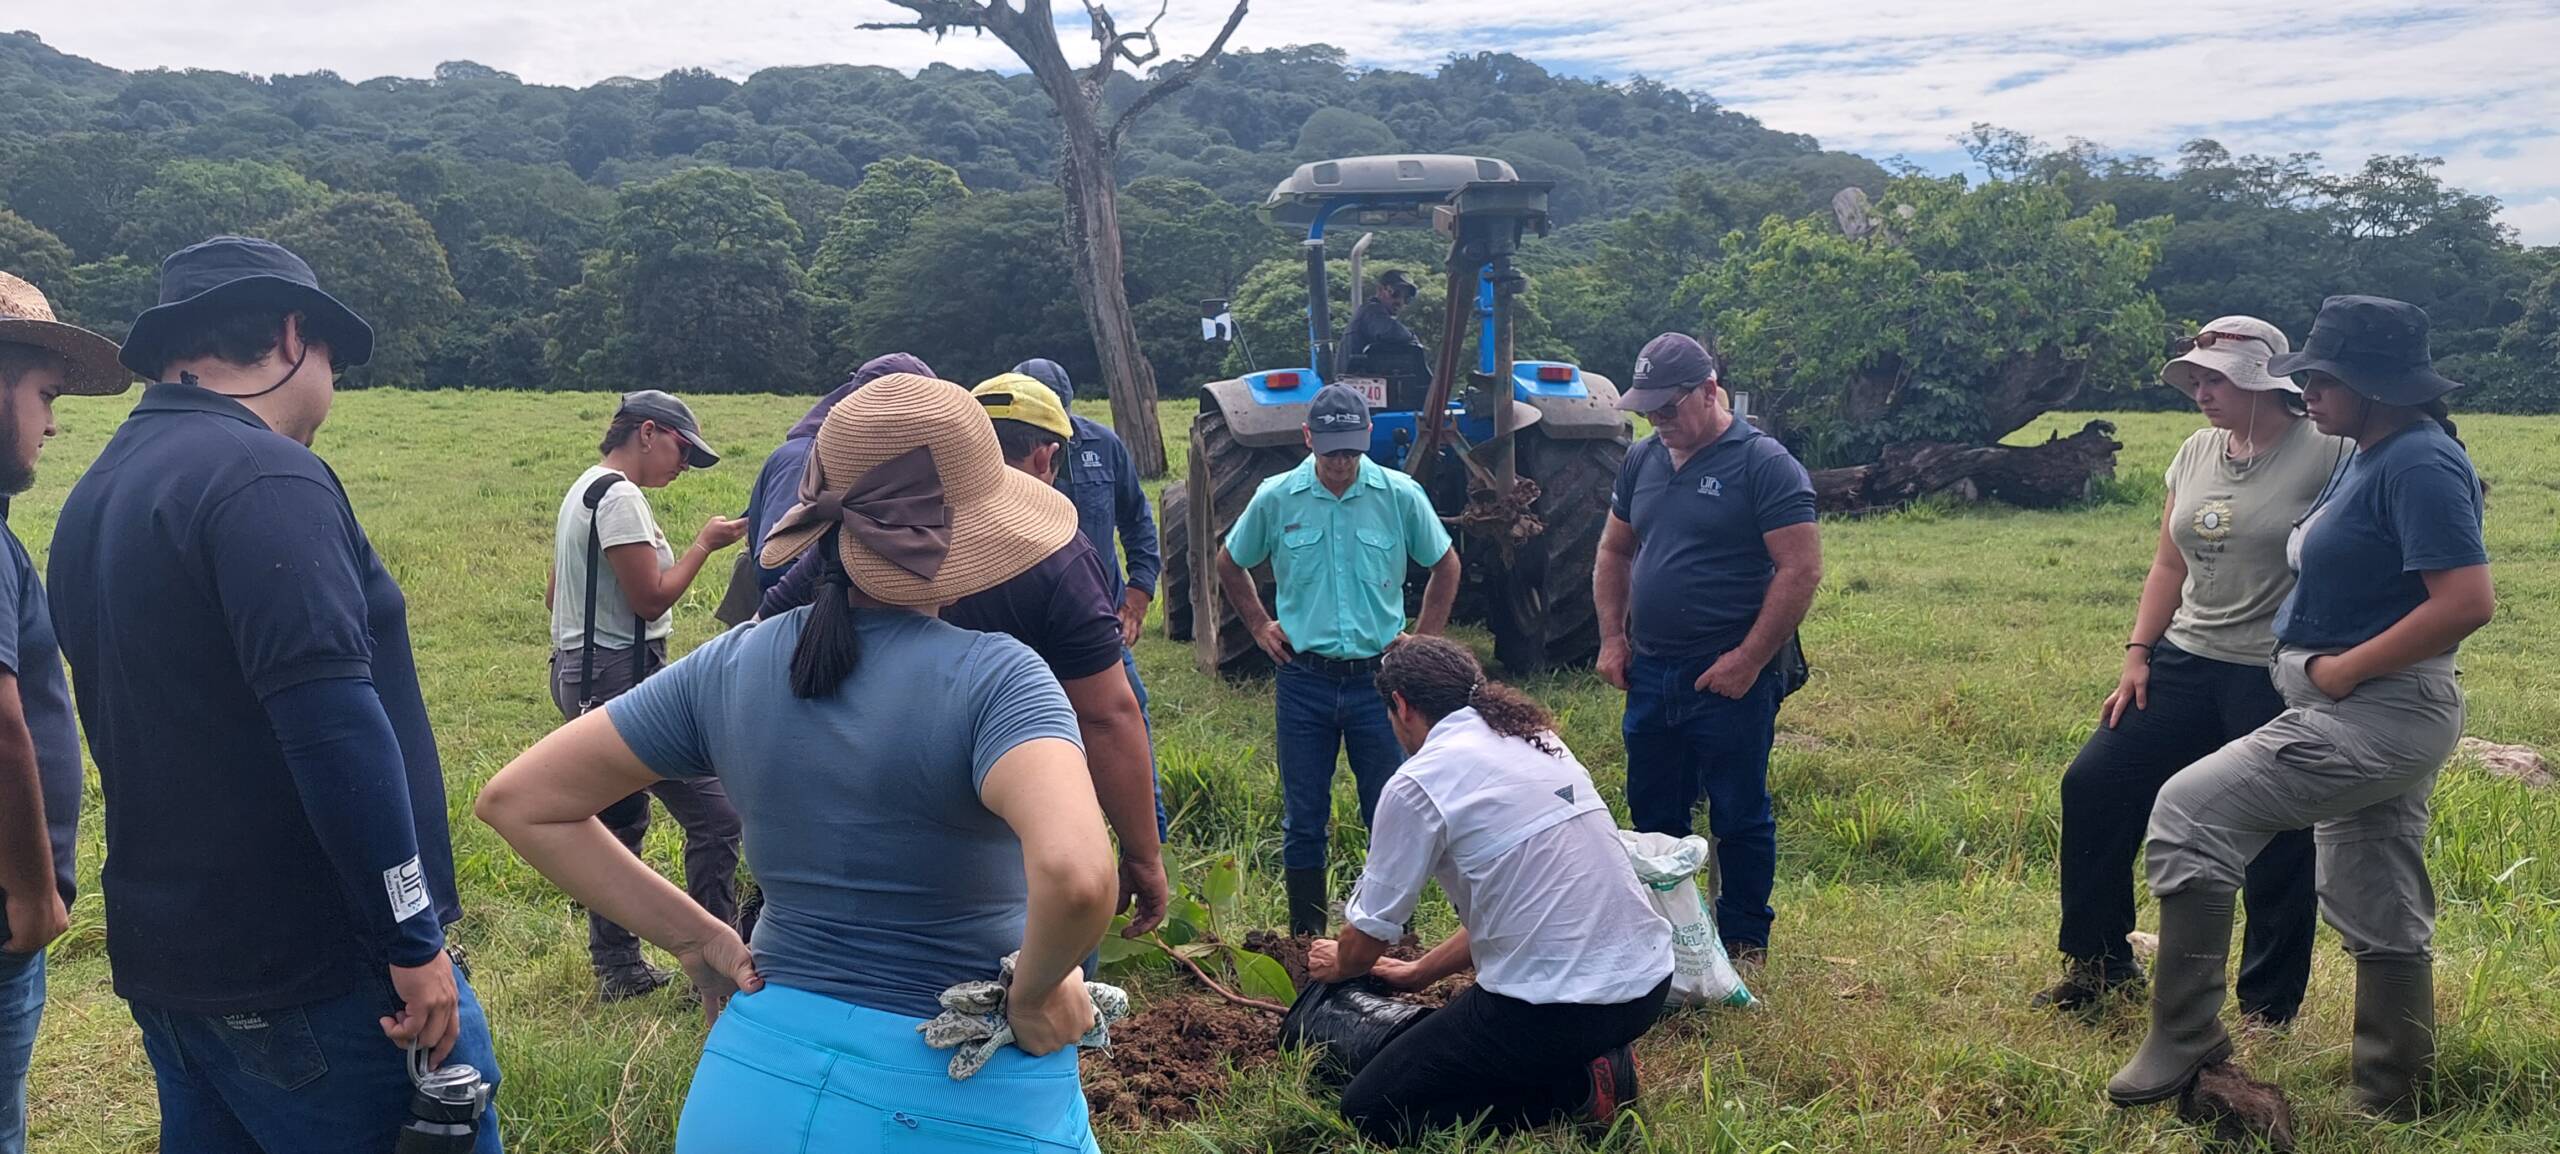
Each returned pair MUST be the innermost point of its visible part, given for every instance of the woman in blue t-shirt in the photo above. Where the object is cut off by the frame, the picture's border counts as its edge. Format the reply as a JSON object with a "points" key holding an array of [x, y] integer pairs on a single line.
{"points": [[915, 802], [2392, 575]]}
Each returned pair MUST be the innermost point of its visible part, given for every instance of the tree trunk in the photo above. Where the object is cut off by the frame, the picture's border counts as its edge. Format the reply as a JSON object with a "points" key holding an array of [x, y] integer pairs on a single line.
{"points": [[2057, 472], [1093, 241]]}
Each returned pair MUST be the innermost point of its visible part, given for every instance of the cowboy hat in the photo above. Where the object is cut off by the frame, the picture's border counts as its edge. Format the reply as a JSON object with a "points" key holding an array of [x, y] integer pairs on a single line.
{"points": [[26, 318], [909, 469], [2238, 348], [2376, 345], [241, 270]]}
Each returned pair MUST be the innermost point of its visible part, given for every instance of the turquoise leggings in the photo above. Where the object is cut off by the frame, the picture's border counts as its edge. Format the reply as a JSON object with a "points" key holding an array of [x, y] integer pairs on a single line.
{"points": [[786, 1072]]}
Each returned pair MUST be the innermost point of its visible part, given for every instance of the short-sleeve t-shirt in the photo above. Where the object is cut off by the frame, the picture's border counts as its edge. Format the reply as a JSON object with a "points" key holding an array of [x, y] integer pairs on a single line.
{"points": [[2229, 519], [886, 879], [1339, 561], [1064, 608], [2406, 506], [621, 518], [204, 564], [1702, 568], [30, 654]]}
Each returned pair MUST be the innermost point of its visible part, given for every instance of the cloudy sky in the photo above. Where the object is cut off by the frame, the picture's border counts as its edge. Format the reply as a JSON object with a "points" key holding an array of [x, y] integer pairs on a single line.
{"points": [[2472, 81]]}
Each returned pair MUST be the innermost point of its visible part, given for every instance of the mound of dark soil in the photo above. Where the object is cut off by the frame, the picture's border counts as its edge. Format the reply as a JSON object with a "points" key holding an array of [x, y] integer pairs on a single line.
{"points": [[1163, 1060]]}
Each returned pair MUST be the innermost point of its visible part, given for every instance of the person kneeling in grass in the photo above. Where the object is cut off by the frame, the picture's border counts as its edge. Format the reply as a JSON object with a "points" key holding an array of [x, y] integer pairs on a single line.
{"points": [[1572, 963]]}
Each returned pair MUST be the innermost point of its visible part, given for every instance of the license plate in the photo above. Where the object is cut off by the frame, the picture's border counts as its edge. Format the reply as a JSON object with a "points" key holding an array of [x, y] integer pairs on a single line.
{"points": [[1371, 389]]}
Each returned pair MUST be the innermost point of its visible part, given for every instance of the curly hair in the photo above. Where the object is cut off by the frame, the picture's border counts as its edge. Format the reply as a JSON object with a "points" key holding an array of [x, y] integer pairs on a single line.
{"points": [[1438, 677]]}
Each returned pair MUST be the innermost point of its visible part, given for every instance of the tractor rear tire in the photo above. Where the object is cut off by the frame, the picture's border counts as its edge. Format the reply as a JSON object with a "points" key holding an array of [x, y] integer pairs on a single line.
{"points": [[1173, 537], [1543, 617], [1224, 475]]}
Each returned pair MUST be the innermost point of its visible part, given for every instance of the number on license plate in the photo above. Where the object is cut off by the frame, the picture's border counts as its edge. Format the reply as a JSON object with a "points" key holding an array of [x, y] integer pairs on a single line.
{"points": [[1371, 389]]}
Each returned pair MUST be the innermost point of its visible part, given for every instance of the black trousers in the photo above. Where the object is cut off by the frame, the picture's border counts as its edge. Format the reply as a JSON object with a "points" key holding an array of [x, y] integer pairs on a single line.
{"points": [[1516, 1063], [2197, 705], [701, 805]]}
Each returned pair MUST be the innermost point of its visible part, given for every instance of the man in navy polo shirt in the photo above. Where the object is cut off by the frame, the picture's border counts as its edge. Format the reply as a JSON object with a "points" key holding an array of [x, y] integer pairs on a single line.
{"points": [[1706, 568], [278, 866]]}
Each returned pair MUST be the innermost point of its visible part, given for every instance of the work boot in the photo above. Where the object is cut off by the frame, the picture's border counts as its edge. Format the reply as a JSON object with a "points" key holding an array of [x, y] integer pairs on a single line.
{"points": [[621, 983], [1613, 1088], [2395, 1046], [1307, 901], [2088, 983], [2186, 999]]}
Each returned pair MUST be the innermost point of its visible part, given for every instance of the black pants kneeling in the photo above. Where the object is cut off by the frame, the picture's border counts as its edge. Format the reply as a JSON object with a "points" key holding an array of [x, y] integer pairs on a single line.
{"points": [[1518, 1064]]}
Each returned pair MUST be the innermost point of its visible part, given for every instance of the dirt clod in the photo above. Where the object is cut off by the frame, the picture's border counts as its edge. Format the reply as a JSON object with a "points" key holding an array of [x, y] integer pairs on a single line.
{"points": [[1166, 1058], [2246, 1114]]}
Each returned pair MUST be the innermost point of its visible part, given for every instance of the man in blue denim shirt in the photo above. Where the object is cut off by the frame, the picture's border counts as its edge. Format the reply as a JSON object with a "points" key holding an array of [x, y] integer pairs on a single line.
{"points": [[1098, 475], [1708, 563]]}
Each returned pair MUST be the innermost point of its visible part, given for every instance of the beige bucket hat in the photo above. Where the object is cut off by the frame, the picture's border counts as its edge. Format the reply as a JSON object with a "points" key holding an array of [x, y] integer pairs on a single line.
{"points": [[2236, 347], [909, 469], [26, 318]]}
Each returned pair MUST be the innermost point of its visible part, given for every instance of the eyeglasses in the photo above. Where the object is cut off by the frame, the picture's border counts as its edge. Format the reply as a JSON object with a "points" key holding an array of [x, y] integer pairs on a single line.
{"points": [[2208, 338]]}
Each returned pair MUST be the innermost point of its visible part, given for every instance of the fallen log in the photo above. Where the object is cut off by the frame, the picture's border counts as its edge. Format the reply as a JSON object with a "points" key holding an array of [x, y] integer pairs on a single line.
{"points": [[2060, 471]]}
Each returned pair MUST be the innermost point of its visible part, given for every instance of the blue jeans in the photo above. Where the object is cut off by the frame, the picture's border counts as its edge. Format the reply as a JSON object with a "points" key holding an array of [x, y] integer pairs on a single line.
{"points": [[1683, 744], [21, 1011], [311, 1079], [1129, 662], [787, 1071], [1319, 715]]}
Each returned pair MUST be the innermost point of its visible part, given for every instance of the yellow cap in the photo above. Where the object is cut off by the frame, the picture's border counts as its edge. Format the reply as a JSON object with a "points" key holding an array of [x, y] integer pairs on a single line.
{"points": [[1018, 397]]}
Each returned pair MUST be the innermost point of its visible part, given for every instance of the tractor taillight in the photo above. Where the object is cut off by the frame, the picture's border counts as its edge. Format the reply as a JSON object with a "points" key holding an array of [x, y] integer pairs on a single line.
{"points": [[1280, 381], [1555, 372]]}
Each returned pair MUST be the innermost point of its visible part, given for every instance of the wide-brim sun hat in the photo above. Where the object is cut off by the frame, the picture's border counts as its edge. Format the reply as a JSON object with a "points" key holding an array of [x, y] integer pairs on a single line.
{"points": [[2238, 347], [227, 271], [908, 469], [2376, 346], [90, 365]]}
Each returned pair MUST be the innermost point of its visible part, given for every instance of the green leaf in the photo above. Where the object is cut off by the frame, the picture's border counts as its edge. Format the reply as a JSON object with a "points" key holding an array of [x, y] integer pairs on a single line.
{"points": [[1198, 950], [1258, 976], [1178, 931], [1191, 910], [1117, 950], [1223, 884]]}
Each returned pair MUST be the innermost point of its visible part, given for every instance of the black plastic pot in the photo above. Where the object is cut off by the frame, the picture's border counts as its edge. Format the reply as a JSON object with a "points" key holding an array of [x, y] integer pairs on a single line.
{"points": [[1348, 1024]]}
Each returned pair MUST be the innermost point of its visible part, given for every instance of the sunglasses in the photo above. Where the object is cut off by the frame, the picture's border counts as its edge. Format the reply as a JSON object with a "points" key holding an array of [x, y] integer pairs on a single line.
{"points": [[2209, 338]]}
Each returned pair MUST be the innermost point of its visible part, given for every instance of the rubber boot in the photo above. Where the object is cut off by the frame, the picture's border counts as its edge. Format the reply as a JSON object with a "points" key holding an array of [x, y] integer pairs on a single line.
{"points": [[2186, 1000], [2395, 1047], [1306, 901]]}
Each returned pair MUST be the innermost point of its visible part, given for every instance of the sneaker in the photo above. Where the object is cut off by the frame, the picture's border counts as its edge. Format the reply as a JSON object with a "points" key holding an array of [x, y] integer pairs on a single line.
{"points": [[1613, 1088], [2088, 983], [625, 982]]}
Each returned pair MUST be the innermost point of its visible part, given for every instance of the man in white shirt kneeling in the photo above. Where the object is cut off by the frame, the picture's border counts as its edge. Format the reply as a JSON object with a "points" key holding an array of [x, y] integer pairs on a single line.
{"points": [[1572, 963]]}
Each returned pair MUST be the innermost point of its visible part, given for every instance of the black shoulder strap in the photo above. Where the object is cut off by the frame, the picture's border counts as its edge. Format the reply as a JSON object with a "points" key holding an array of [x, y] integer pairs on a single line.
{"points": [[595, 560]]}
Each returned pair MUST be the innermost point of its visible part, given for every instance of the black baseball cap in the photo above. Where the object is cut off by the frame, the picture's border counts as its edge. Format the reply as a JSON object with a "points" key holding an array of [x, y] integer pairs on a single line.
{"points": [[1395, 279], [1669, 367], [673, 416], [1338, 420]]}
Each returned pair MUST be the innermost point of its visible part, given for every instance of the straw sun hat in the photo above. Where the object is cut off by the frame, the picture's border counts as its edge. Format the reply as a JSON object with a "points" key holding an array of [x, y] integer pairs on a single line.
{"points": [[909, 468], [26, 318], [2236, 347]]}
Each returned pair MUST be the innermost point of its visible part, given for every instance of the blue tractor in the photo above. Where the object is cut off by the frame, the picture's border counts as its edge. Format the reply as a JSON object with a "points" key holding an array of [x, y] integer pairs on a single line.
{"points": [[1518, 456]]}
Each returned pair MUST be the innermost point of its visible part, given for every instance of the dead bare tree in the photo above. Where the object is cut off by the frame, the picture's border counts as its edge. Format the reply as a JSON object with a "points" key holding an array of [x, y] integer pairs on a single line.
{"points": [[1092, 141]]}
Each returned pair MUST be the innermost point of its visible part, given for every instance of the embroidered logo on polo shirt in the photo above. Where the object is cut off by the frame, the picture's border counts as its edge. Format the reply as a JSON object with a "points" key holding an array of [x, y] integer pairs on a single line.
{"points": [[406, 885], [1565, 793], [1092, 460], [1711, 487]]}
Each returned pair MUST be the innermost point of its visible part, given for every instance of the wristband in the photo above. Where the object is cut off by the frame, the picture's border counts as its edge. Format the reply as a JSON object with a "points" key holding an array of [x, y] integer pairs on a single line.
{"points": [[2144, 646]]}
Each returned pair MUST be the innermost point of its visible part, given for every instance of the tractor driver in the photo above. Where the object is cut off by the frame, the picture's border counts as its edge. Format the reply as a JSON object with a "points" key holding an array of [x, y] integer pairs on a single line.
{"points": [[1339, 531], [1374, 326]]}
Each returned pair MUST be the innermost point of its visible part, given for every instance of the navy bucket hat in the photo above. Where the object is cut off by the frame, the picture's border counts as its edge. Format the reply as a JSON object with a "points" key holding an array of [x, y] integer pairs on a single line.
{"points": [[2376, 345], [225, 271]]}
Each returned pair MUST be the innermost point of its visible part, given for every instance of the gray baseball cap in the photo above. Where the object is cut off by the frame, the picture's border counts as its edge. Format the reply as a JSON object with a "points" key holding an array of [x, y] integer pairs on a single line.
{"points": [[672, 414], [1338, 419], [1669, 367]]}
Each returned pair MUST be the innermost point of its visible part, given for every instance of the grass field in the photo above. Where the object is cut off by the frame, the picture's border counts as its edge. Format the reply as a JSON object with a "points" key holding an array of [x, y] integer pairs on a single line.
{"points": [[1961, 656]]}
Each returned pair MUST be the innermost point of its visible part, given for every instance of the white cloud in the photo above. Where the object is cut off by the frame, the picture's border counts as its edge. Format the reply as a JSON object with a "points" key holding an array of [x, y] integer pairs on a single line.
{"points": [[2467, 79]]}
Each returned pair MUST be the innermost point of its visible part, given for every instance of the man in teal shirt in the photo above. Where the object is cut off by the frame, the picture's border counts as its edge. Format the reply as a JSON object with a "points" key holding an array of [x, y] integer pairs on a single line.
{"points": [[1338, 531]]}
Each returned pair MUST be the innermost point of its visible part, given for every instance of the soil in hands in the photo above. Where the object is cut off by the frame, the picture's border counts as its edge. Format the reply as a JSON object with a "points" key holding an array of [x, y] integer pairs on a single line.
{"points": [[1182, 1048]]}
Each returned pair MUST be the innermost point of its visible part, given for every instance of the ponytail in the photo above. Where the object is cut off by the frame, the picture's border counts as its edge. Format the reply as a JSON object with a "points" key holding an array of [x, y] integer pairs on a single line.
{"points": [[830, 640], [2437, 411], [1438, 677]]}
